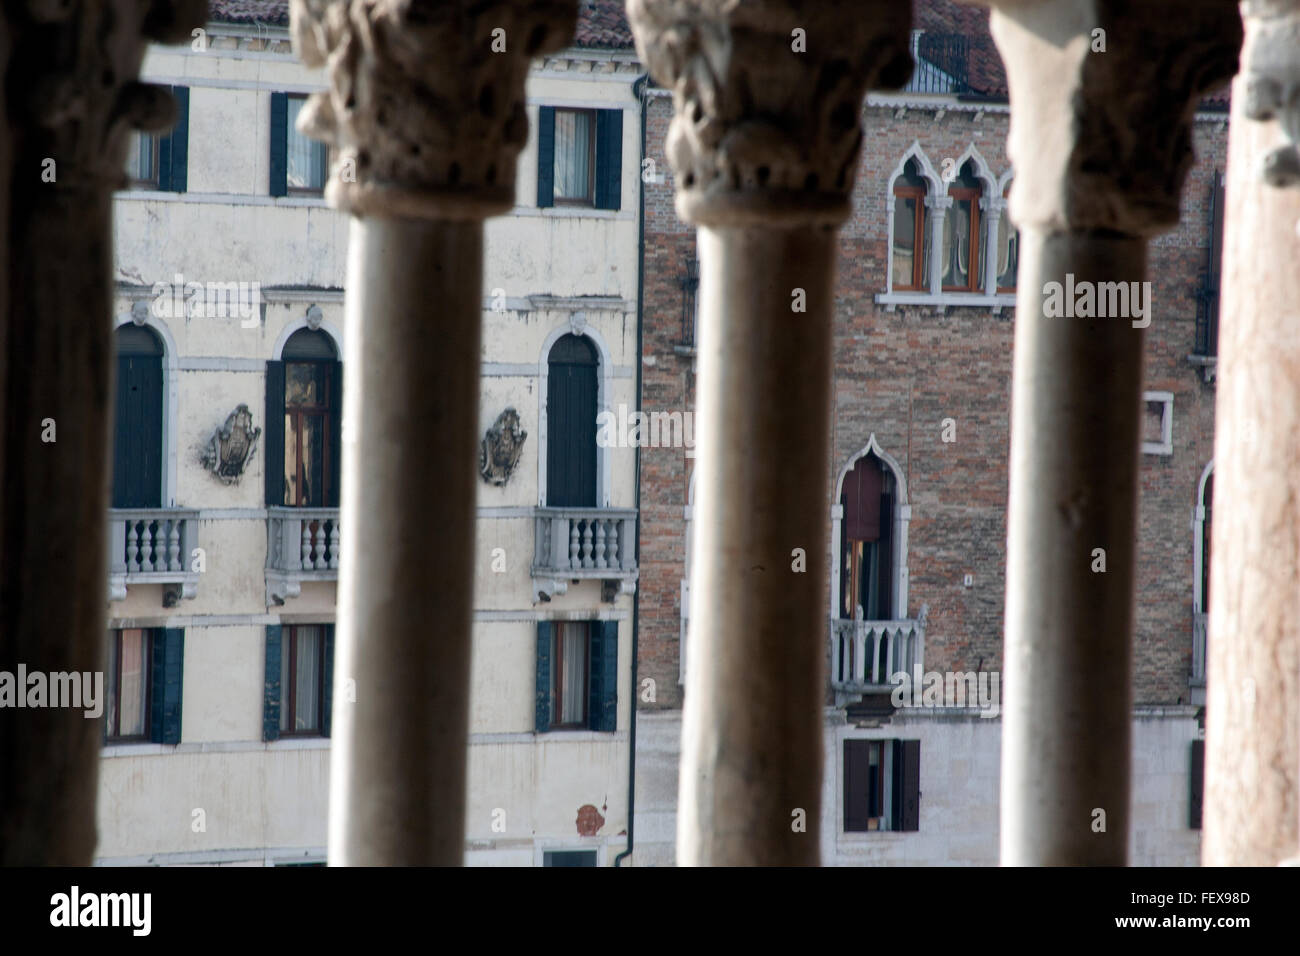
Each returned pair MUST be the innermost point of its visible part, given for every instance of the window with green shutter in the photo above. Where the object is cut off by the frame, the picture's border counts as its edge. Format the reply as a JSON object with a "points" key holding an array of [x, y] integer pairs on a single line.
{"points": [[577, 675], [579, 157]]}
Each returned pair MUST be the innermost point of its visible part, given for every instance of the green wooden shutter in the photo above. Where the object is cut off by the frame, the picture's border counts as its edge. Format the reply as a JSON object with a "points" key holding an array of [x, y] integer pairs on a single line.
{"points": [[271, 694], [274, 431], [602, 702], [545, 630], [546, 156], [279, 180], [137, 432], [609, 158], [1196, 784], [327, 696], [857, 765], [178, 161], [167, 679], [334, 450], [907, 785]]}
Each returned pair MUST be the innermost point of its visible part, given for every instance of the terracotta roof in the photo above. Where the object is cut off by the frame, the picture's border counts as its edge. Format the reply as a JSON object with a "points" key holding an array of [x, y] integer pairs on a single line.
{"points": [[601, 23]]}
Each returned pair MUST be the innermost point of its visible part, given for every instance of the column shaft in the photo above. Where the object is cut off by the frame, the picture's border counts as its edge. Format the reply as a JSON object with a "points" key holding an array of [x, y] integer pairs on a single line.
{"points": [[397, 777]]}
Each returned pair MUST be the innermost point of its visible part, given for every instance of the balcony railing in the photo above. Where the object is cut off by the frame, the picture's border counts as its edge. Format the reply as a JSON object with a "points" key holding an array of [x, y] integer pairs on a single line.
{"points": [[942, 63], [153, 546], [866, 654], [1200, 630], [579, 543], [302, 544]]}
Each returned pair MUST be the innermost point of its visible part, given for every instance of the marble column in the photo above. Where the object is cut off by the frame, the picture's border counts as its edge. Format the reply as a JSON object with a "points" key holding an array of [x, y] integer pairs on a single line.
{"points": [[73, 96], [764, 147], [1253, 697], [425, 110], [1102, 96]]}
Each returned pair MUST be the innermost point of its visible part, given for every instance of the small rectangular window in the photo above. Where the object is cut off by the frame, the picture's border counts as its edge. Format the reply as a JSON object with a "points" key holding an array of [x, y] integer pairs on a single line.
{"points": [[302, 684], [881, 785], [569, 674], [142, 160], [306, 160], [127, 679], [575, 157], [1158, 423], [569, 858]]}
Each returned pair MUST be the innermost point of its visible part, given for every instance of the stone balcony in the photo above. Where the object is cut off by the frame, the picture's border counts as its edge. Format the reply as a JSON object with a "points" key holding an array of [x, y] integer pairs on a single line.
{"points": [[866, 654], [302, 544], [576, 544], [153, 546]]}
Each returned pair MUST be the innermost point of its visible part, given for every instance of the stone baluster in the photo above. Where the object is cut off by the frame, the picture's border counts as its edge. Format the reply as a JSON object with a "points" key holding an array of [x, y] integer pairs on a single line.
{"points": [[73, 96], [1101, 144], [600, 542], [132, 545], [426, 112], [764, 145], [575, 561], [1252, 732], [173, 545], [308, 563], [334, 545]]}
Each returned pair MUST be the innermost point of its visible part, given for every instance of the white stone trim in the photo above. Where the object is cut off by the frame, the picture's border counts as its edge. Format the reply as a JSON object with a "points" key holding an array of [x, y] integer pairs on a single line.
{"points": [[329, 328], [1166, 444], [171, 399], [902, 518], [935, 188], [544, 845], [1198, 538], [576, 325]]}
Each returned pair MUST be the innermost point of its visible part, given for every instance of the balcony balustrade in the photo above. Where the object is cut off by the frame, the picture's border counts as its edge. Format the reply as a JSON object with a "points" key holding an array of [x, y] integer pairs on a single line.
{"points": [[153, 546], [302, 544], [573, 544]]}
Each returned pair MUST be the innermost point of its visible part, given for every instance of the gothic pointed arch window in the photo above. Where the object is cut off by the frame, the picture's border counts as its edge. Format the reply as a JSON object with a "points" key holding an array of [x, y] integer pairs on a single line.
{"points": [[572, 395], [138, 419], [867, 560], [911, 231], [1008, 249], [962, 256]]}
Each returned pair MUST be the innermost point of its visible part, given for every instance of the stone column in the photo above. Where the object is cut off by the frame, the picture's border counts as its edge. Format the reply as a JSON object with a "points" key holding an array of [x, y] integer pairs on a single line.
{"points": [[70, 71], [1253, 700], [426, 113], [764, 145], [1102, 95]]}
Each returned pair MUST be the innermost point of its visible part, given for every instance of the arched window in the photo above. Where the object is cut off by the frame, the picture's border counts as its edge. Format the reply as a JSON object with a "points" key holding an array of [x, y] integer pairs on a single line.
{"points": [[866, 541], [571, 407], [1201, 582], [304, 411], [138, 419], [1008, 250], [963, 234], [911, 239]]}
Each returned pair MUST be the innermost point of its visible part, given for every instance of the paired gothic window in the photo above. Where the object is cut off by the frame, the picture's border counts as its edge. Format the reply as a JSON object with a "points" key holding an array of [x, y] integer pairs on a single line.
{"points": [[571, 406], [304, 410], [911, 231], [867, 570], [138, 419]]}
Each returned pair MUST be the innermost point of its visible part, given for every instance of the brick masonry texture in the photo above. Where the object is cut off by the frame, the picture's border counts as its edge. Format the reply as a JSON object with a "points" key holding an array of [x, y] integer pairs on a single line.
{"points": [[899, 373]]}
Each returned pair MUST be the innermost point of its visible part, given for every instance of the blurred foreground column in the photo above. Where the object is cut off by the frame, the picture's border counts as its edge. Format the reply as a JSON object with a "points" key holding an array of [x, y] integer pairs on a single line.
{"points": [[426, 114], [1102, 97], [1253, 704], [764, 145], [71, 99]]}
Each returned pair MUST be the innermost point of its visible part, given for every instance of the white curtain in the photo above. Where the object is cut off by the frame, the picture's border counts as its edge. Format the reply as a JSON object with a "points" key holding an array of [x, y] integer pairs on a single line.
{"points": [[573, 705], [133, 683], [572, 154]]}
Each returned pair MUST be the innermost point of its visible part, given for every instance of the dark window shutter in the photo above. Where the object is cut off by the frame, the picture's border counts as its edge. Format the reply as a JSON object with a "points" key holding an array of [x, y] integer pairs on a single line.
{"points": [[907, 785], [168, 674], [178, 161], [279, 144], [334, 450], [327, 694], [274, 433], [137, 433], [1196, 783], [609, 158], [857, 785], [602, 700], [571, 389], [271, 695], [546, 156], [165, 162], [545, 630]]}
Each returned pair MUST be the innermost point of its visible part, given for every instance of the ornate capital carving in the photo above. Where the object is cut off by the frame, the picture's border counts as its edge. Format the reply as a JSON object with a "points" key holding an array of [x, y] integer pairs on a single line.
{"points": [[1103, 93], [425, 106], [767, 99], [1273, 81], [74, 65]]}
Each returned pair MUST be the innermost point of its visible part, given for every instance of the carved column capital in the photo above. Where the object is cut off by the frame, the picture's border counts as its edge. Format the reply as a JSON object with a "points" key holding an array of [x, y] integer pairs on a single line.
{"points": [[1272, 71], [767, 99], [425, 107], [74, 66], [1103, 93]]}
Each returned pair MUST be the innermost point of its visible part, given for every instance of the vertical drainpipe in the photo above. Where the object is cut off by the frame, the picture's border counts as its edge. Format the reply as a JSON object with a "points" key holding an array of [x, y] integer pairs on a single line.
{"points": [[639, 91]]}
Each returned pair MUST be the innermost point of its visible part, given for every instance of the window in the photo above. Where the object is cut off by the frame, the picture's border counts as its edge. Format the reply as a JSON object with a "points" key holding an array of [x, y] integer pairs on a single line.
{"points": [[1008, 248], [911, 226], [963, 235], [127, 678], [299, 165], [160, 160], [579, 157], [882, 785], [571, 405], [143, 684], [138, 419], [866, 541], [299, 678], [569, 858], [304, 403], [1196, 784], [1158, 423], [577, 675]]}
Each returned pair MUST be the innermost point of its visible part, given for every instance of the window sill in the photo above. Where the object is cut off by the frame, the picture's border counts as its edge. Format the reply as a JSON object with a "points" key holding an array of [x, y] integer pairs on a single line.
{"points": [[947, 300], [577, 735], [299, 743]]}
